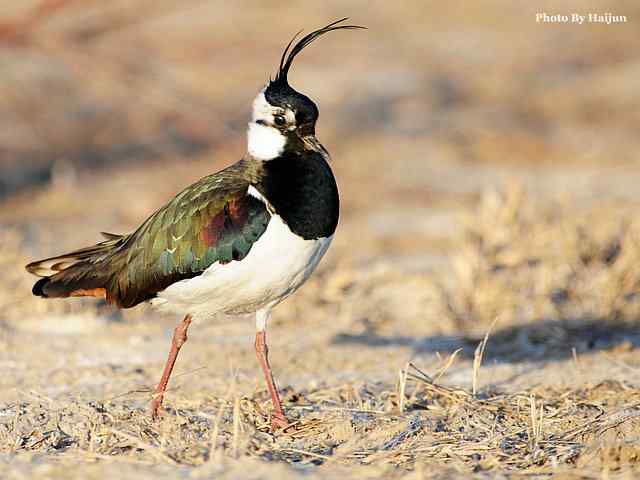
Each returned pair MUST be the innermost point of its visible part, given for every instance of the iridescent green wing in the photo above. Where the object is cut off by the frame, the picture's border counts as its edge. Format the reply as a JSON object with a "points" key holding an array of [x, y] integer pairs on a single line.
{"points": [[214, 220]]}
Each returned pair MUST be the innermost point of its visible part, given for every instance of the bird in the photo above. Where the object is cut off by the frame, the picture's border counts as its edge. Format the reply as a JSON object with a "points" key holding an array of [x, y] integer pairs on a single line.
{"points": [[238, 241]]}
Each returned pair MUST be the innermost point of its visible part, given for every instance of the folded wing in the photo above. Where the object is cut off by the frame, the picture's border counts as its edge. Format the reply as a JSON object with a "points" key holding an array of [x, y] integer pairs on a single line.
{"points": [[214, 220]]}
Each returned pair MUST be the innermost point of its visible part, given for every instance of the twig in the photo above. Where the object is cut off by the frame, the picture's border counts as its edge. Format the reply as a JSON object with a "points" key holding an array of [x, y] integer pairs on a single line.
{"points": [[606, 423], [402, 387], [446, 366], [477, 357], [236, 427], [147, 447], [303, 452]]}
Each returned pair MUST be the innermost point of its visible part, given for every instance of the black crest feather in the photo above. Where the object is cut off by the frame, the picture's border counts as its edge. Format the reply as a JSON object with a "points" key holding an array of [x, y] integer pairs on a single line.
{"points": [[288, 56]]}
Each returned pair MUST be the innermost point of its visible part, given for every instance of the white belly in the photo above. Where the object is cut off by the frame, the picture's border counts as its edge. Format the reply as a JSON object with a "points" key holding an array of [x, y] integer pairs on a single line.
{"points": [[277, 264]]}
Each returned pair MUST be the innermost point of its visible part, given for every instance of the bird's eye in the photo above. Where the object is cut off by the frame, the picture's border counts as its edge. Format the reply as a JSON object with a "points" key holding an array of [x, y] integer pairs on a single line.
{"points": [[279, 120]]}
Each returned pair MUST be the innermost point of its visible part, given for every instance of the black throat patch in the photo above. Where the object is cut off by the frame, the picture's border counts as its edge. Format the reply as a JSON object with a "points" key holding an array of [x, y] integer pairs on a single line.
{"points": [[303, 191]]}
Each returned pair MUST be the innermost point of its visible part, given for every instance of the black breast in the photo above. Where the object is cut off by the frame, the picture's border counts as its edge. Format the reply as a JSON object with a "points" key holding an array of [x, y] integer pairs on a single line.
{"points": [[303, 191]]}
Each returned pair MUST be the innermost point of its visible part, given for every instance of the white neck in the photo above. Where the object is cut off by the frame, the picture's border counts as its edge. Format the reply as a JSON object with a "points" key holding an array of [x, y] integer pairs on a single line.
{"points": [[264, 142]]}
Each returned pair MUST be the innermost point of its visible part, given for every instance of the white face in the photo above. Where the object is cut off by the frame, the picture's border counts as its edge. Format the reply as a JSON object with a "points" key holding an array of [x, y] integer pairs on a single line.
{"points": [[263, 112], [265, 138]]}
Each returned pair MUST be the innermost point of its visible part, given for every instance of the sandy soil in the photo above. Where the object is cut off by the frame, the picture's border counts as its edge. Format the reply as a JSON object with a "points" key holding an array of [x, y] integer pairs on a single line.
{"points": [[488, 168]]}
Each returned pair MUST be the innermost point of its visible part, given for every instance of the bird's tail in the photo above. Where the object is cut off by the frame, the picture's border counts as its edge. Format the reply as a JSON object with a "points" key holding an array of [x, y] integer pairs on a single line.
{"points": [[75, 274]]}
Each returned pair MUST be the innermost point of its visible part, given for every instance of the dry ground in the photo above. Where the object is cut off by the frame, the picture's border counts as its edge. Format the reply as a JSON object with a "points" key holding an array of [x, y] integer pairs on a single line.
{"points": [[477, 314]]}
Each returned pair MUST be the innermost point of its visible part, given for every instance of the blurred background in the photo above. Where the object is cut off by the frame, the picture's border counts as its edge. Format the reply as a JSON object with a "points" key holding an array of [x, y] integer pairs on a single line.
{"points": [[488, 167]]}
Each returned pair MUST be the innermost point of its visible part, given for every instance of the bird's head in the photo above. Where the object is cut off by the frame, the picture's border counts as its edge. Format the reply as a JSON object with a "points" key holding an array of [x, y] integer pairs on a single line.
{"points": [[283, 117]]}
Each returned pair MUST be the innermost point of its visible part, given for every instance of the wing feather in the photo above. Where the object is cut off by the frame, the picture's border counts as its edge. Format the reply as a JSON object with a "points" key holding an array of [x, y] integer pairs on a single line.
{"points": [[214, 220]]}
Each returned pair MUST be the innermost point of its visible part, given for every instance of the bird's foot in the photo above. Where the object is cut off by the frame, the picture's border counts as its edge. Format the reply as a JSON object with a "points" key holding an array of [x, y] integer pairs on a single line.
{"points": [[279, 422], [154, 409]]}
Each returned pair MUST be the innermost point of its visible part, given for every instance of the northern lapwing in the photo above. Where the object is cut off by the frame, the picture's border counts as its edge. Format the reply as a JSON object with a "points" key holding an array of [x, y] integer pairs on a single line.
{"points": [[236, 242]]}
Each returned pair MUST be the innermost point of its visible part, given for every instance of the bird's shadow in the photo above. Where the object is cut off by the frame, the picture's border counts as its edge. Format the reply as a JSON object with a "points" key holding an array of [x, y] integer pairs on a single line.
{"points": [[538, 341]]}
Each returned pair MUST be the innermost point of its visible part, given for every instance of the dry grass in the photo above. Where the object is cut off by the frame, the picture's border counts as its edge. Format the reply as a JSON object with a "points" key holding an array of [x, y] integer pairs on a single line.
{"points": [[537, 431], [484, 321], [419, 422], [548, 274]]}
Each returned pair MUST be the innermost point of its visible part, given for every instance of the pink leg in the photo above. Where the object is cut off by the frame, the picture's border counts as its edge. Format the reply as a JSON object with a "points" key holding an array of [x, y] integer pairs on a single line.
{"points": [[262, 352], [179, 339]]}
